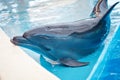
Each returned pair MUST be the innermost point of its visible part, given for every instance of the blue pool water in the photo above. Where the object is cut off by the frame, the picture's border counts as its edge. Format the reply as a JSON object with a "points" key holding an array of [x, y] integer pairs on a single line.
{"points": [[111, 70], [18, 16]]}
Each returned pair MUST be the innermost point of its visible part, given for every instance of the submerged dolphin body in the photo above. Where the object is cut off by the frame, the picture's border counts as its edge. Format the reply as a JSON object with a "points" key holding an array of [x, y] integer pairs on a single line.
{"points": [[68, 42]]}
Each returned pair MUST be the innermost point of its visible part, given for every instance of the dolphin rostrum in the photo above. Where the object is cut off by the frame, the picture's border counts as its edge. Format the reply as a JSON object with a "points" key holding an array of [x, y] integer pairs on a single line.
{"points": [[66, 43]]}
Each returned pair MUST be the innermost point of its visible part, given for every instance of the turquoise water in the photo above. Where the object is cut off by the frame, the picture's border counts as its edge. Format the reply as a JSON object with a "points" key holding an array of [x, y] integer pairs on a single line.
{"points": [[111, 70], [18, 16]]}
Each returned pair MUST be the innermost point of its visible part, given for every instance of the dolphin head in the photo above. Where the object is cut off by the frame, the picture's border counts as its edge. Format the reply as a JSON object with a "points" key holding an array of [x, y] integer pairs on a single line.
{"points": [[35, 45], [21, 41]]}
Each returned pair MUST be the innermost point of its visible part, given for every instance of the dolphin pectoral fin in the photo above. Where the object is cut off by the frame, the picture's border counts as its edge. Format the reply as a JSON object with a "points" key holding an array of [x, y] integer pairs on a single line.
{"points": [[73, 63]]}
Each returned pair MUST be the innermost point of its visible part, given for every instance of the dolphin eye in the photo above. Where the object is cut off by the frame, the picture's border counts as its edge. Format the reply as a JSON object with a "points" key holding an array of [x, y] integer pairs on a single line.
{"points": [[46, 48]]}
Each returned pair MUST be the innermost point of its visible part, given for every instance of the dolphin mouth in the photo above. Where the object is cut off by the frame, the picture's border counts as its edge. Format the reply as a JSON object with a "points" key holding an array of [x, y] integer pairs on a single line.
{"points": [[19, 40]]}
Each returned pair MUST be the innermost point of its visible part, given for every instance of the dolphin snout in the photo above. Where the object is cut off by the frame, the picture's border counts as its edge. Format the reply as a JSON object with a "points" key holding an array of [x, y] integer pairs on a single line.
{"points": [[18, 40]]}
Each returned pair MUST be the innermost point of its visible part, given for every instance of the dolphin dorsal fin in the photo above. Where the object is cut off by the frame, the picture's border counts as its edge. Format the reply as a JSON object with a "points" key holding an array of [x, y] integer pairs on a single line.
{"points": [[106, 14], [100, 8]]}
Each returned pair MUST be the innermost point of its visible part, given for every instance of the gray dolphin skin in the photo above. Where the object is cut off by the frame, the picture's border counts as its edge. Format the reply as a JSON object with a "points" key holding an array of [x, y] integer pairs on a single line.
{"points": [[66, 43]]}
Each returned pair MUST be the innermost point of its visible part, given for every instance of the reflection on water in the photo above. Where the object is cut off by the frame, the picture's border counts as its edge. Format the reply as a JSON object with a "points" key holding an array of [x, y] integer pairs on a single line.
{"points": [[13, 16], [27, 14], [115, 16]]}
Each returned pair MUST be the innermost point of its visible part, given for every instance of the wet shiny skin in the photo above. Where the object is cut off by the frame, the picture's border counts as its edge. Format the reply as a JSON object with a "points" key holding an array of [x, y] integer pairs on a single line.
{"points": [[64, 42]]}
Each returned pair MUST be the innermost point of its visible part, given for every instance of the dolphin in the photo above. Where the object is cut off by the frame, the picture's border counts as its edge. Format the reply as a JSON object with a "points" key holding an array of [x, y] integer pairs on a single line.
{"points": [[66, 43]]}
